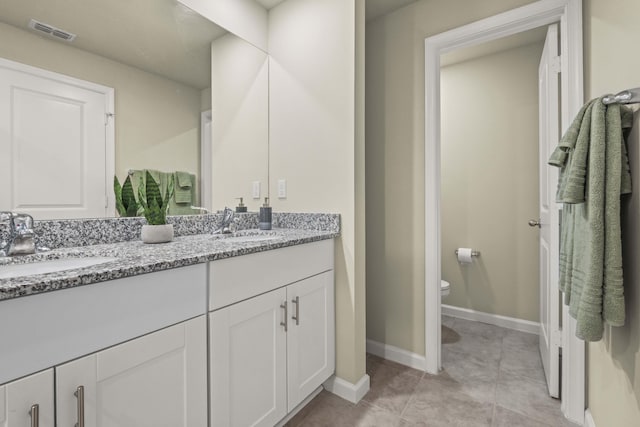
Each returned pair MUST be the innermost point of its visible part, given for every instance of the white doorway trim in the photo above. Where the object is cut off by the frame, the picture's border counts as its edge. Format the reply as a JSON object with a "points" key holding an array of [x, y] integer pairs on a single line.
{"points": [[540, 13], [206, 161]]}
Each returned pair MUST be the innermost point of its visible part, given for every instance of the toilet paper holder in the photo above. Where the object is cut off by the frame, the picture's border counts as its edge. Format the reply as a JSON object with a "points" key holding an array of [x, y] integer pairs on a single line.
{"points": [[473, 253]]}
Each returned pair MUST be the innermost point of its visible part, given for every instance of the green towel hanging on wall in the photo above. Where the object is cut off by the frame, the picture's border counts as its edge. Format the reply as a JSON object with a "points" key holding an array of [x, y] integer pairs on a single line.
{"points": [[594, 174]]}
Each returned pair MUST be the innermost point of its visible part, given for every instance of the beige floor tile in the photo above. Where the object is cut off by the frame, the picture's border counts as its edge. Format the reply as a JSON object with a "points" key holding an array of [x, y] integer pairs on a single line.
{"points": [[329, 411], [391, 385], [528, 397], [522, 362], [492, 377], [440, 401], [367, 415], [478, 329], [520, 340], [297, 420], [505, 418], [479, 339], [448, 321], [476, 377]]}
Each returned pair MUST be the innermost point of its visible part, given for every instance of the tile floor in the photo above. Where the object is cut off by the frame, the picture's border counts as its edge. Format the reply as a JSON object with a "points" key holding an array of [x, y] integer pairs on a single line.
{"points": [[492, 378]]}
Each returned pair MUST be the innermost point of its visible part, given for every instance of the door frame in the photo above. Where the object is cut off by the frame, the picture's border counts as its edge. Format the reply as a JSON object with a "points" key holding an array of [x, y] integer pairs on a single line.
{"points": [[540, 13], [109, 121], [206, 160]]}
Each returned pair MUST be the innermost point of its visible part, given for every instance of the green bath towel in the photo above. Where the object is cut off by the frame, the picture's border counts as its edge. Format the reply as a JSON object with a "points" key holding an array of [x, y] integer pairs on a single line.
{"points": [[184, 185], [594, 174]]}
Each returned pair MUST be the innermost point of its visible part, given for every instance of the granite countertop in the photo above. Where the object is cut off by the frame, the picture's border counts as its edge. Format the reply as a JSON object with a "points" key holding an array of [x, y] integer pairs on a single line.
{"points": [[135, 257]]}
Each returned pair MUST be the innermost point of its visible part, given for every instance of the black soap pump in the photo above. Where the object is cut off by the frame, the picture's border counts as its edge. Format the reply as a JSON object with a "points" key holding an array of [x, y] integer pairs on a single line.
{"points": [[265, 215], [241, 208]]}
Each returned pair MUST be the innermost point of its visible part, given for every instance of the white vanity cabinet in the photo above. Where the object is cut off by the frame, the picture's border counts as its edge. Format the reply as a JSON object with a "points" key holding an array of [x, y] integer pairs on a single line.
{"points": [[269, 352], [156, 380], [130, 352], [28, 401], [310, 336]]}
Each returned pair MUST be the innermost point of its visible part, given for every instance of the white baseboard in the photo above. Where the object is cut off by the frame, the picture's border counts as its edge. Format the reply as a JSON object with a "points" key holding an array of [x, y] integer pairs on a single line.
{"points": [[396, 354], [588, 419], [492, 319], [344, 389]]}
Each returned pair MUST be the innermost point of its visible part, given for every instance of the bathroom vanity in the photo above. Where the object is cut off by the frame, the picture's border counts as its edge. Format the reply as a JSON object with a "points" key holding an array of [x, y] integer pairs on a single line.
{"points": [[228, 331]]}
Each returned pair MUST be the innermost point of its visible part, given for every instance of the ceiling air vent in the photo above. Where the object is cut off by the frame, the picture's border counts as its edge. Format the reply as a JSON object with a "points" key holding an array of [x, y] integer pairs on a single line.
{"points": [[51, 30]]}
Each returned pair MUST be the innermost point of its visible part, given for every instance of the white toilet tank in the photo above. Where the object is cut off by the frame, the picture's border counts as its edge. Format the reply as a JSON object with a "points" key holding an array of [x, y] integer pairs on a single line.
{"points": [[444, 288]]}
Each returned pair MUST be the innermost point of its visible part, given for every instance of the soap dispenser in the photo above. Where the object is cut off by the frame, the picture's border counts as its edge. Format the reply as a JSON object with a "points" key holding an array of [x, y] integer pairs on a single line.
{"points": [[265, 215], [241, 208]]}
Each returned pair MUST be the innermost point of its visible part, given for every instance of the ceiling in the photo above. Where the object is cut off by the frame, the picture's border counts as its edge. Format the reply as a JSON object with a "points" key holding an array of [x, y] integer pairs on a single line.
{"points": [[159, 36], [377, 8], [374, 8], [268, 4]]}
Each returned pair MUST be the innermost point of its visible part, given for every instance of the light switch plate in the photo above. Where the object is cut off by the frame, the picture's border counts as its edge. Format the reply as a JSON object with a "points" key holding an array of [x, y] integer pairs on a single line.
{"points": [[282, 189], [256, 190]]}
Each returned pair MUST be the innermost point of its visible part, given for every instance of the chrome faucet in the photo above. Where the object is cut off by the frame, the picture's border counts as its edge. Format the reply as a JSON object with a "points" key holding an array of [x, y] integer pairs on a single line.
{"points": [[225, 224], [21, 240]]}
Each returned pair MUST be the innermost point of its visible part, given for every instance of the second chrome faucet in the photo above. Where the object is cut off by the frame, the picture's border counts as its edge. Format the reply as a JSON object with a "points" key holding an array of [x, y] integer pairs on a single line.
{"points": [[21, 237]]}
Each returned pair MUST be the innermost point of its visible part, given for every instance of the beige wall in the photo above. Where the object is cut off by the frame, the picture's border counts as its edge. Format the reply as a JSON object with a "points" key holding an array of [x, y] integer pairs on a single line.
{"points": [[611, 34], [312, 107], [157, 120], [240, 116], [395, 162], [490, 184]]}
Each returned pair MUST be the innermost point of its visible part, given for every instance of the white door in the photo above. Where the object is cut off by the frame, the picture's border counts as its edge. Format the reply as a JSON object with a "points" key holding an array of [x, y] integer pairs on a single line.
{"points": [[53, 144], [158, 380], [311, 336], [248, 362], [26, 398], [549, 132]]}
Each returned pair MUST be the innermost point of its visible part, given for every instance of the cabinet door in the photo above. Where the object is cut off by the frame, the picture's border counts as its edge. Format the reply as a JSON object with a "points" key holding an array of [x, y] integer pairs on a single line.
{"points": [[153, 381], [311, 338], [248, 362], [17, 399]]}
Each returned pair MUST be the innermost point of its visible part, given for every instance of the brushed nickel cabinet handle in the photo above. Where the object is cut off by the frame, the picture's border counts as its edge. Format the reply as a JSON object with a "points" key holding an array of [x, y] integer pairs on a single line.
{"points": [[35, 415], [286, 314], [297, 316], [79, 393]]}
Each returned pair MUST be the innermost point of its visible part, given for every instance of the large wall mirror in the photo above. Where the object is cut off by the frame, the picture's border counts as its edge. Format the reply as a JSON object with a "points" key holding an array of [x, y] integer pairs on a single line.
{"points": [[157, 55]]}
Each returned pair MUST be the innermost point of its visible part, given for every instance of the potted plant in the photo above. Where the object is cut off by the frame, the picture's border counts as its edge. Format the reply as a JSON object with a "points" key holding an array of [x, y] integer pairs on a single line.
{"points": [[126, 203], [154, 208]]}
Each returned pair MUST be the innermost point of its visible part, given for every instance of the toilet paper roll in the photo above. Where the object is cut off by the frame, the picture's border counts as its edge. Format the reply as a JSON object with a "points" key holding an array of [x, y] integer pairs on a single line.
{"points": [[464, 256]]}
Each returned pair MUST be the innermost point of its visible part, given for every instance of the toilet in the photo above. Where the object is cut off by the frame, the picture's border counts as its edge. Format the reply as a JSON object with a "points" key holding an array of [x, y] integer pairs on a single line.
{"points": [[444, 288]]}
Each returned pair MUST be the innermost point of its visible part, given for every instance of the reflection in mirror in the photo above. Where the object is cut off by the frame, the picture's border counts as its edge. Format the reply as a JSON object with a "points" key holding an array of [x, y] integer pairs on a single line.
{"points": [[155, 54], [240, 89]]}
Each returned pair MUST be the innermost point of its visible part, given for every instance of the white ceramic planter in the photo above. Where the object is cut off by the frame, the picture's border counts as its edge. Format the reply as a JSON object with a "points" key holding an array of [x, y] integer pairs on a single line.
{"points": [[157, 233]]}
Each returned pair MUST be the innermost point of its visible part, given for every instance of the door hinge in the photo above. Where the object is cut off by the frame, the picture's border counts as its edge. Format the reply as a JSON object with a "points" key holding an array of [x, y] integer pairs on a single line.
{"points": [[107, 116], [556, 64], [556, 339]]}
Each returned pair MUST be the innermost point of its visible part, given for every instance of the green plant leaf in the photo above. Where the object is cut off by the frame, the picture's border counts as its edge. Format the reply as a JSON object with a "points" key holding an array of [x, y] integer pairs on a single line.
{"points": [[128, 198], [142, 197], [168, 193], [155, 210], [117, 189]]}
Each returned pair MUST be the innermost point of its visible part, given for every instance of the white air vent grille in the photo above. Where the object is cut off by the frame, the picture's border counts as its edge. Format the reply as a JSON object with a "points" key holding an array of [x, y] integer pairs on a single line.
{"points": [[51, 30]]}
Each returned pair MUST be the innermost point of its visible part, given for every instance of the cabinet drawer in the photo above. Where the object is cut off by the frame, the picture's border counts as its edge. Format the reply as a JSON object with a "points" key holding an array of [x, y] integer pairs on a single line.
{"points": [[54, 327], [236, 279]]}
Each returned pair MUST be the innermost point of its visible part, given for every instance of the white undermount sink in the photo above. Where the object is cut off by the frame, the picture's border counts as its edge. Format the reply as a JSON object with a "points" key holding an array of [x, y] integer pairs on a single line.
{"points": [[49, 266]]}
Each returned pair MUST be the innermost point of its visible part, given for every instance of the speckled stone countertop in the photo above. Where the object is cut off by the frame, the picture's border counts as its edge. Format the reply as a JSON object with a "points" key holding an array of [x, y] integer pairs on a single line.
{"points": [[135, 257]]}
